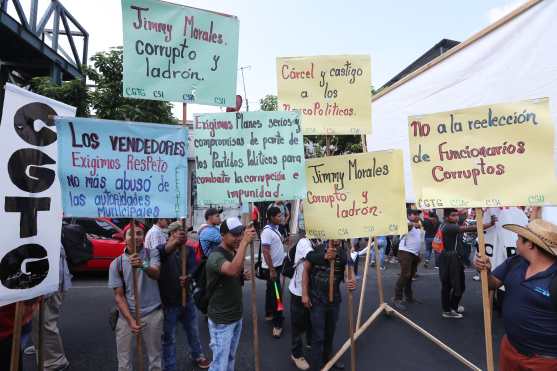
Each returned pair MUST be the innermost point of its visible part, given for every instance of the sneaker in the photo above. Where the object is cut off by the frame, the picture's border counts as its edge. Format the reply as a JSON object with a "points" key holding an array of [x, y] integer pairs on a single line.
{"points": [[476, 277], [452, 314], [460, 309], [269, 318], [339, 365], [413, 301], [277, 332], [30, 350], [300, 363], [203, 362], [436, 267], [383, 268], [372, 264], [399, 305]]}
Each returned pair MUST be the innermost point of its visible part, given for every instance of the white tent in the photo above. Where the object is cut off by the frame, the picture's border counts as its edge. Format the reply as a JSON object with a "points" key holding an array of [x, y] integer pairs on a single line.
{"points": [[512, 59]]}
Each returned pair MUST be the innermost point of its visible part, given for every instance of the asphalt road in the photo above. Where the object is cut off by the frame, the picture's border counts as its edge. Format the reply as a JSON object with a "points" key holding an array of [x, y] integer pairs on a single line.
{"points": [[389, 344]]}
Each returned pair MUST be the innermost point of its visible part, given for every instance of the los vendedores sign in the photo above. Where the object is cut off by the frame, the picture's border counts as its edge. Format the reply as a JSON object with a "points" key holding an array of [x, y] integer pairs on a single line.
{"points": [[177, 53]]}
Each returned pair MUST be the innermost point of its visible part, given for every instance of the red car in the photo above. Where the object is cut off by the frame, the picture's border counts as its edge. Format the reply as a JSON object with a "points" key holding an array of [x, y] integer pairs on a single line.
{"points": [[107, 240]]}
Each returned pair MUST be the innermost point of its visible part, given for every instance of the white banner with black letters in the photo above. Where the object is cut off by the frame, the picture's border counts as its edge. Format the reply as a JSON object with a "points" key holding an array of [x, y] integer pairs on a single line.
{"points": [[31, 209]]}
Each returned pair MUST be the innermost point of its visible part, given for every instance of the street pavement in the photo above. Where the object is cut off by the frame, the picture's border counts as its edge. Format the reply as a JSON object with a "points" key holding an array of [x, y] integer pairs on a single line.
{"points": [[389, 344]]}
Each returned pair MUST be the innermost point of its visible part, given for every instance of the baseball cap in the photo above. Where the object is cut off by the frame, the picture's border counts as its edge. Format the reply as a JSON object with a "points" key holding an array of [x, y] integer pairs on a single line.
{"points": [[210, 212], [233, 226], [174, 226]]}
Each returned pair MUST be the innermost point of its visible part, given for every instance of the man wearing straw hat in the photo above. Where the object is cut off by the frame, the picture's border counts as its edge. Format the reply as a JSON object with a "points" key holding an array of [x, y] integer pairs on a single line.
{"points": [[530, 306]]}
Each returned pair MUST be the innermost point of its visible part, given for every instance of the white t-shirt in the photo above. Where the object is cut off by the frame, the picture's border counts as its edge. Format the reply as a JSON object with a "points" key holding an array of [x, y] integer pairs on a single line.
{"points": [[302, 249], [155, 237], [271, 236], [412, 242]]}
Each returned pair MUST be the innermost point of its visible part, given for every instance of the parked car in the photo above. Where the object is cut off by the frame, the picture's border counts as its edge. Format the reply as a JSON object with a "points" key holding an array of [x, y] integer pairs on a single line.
{"points": [[107, 240]]}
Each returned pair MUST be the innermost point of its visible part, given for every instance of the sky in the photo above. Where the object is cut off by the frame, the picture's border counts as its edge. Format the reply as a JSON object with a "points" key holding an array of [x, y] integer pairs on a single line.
{"points": [[394, 33]]}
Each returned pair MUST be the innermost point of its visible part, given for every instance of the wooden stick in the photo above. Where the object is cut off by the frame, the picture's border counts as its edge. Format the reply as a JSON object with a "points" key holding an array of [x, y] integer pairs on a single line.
{"points": [[357, 334], [350, 274], [184, 259], [364, 284], [253, 299], [331, 275], [485, 293], [16, 337], [40, 345], [332, 262], [438, 342], [379, 274], [137, 298]]}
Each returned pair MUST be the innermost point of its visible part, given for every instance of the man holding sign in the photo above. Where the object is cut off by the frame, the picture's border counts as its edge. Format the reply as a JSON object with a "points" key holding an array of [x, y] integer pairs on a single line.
{"points": [[315, 296], [530, 306], [120, 279]]}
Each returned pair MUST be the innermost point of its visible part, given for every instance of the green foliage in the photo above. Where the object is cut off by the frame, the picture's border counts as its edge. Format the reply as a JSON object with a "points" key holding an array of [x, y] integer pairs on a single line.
{"points": [[72, 92], [107, 100], [269, 103]]}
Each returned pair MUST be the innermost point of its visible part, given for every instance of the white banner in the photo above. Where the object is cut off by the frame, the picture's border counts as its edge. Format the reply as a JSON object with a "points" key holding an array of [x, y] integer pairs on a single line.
{"points": [[500, 243], [31, 209]]}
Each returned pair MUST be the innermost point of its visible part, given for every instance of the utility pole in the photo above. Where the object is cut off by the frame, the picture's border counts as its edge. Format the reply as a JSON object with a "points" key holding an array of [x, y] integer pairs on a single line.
{"points": [[244, 83]]}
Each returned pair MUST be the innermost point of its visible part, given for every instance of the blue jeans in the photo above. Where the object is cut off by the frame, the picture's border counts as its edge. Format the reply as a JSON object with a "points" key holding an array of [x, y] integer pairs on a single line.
{"points": [[382, 245], [187, 316], [224, 343], [428, 248]]}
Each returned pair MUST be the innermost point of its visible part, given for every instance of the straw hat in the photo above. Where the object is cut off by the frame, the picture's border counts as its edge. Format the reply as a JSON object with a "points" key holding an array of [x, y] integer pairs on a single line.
{"points": [[540, 232]]}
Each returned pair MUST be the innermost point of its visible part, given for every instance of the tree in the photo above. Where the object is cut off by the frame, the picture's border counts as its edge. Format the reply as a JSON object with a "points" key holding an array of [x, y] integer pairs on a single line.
{"points": [[73, 92], [107, 100], [269, 103]]}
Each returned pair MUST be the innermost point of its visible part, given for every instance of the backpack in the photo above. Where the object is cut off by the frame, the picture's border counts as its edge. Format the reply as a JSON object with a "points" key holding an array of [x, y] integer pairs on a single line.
{"points": [[437, 244], [288, 266], [201, 294], [76, 244]]}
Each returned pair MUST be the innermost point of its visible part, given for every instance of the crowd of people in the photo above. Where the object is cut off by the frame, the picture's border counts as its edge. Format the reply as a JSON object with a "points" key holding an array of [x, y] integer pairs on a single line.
{"points": [[530, 279]]}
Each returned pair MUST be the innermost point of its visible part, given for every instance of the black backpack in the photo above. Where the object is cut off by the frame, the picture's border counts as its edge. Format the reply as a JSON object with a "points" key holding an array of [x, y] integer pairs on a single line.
{"points": [[201, 294], [288, 267], [76, 244]]}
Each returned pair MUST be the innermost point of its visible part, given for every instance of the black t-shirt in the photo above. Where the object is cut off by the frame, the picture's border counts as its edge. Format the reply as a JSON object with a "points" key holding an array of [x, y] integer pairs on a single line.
{"points": [[451, 236], [171, 269], [430, 227]]}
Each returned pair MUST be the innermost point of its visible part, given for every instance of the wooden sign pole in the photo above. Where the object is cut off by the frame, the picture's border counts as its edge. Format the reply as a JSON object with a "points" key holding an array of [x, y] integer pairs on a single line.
{"points": [[136, 297], [16, 337], [364, 283], [184, 259], [350, 275], [332, 262], [485, 293], [40, 345], [253, 298]]}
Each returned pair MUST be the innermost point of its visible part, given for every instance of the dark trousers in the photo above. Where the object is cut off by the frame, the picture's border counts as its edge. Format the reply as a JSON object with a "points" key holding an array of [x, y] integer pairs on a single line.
{"points": [[451, 274], [324, 318], [6, 354], [408, 266], [271, 301], [301, 323]]}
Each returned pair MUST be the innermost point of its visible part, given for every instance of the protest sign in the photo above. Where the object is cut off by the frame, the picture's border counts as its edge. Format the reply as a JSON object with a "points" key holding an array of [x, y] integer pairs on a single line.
{"points": [[121, 169], [30, 207], [177, 53], [354, 196], [332, 92], [249, 157], [500, 243], [494, 155]]}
